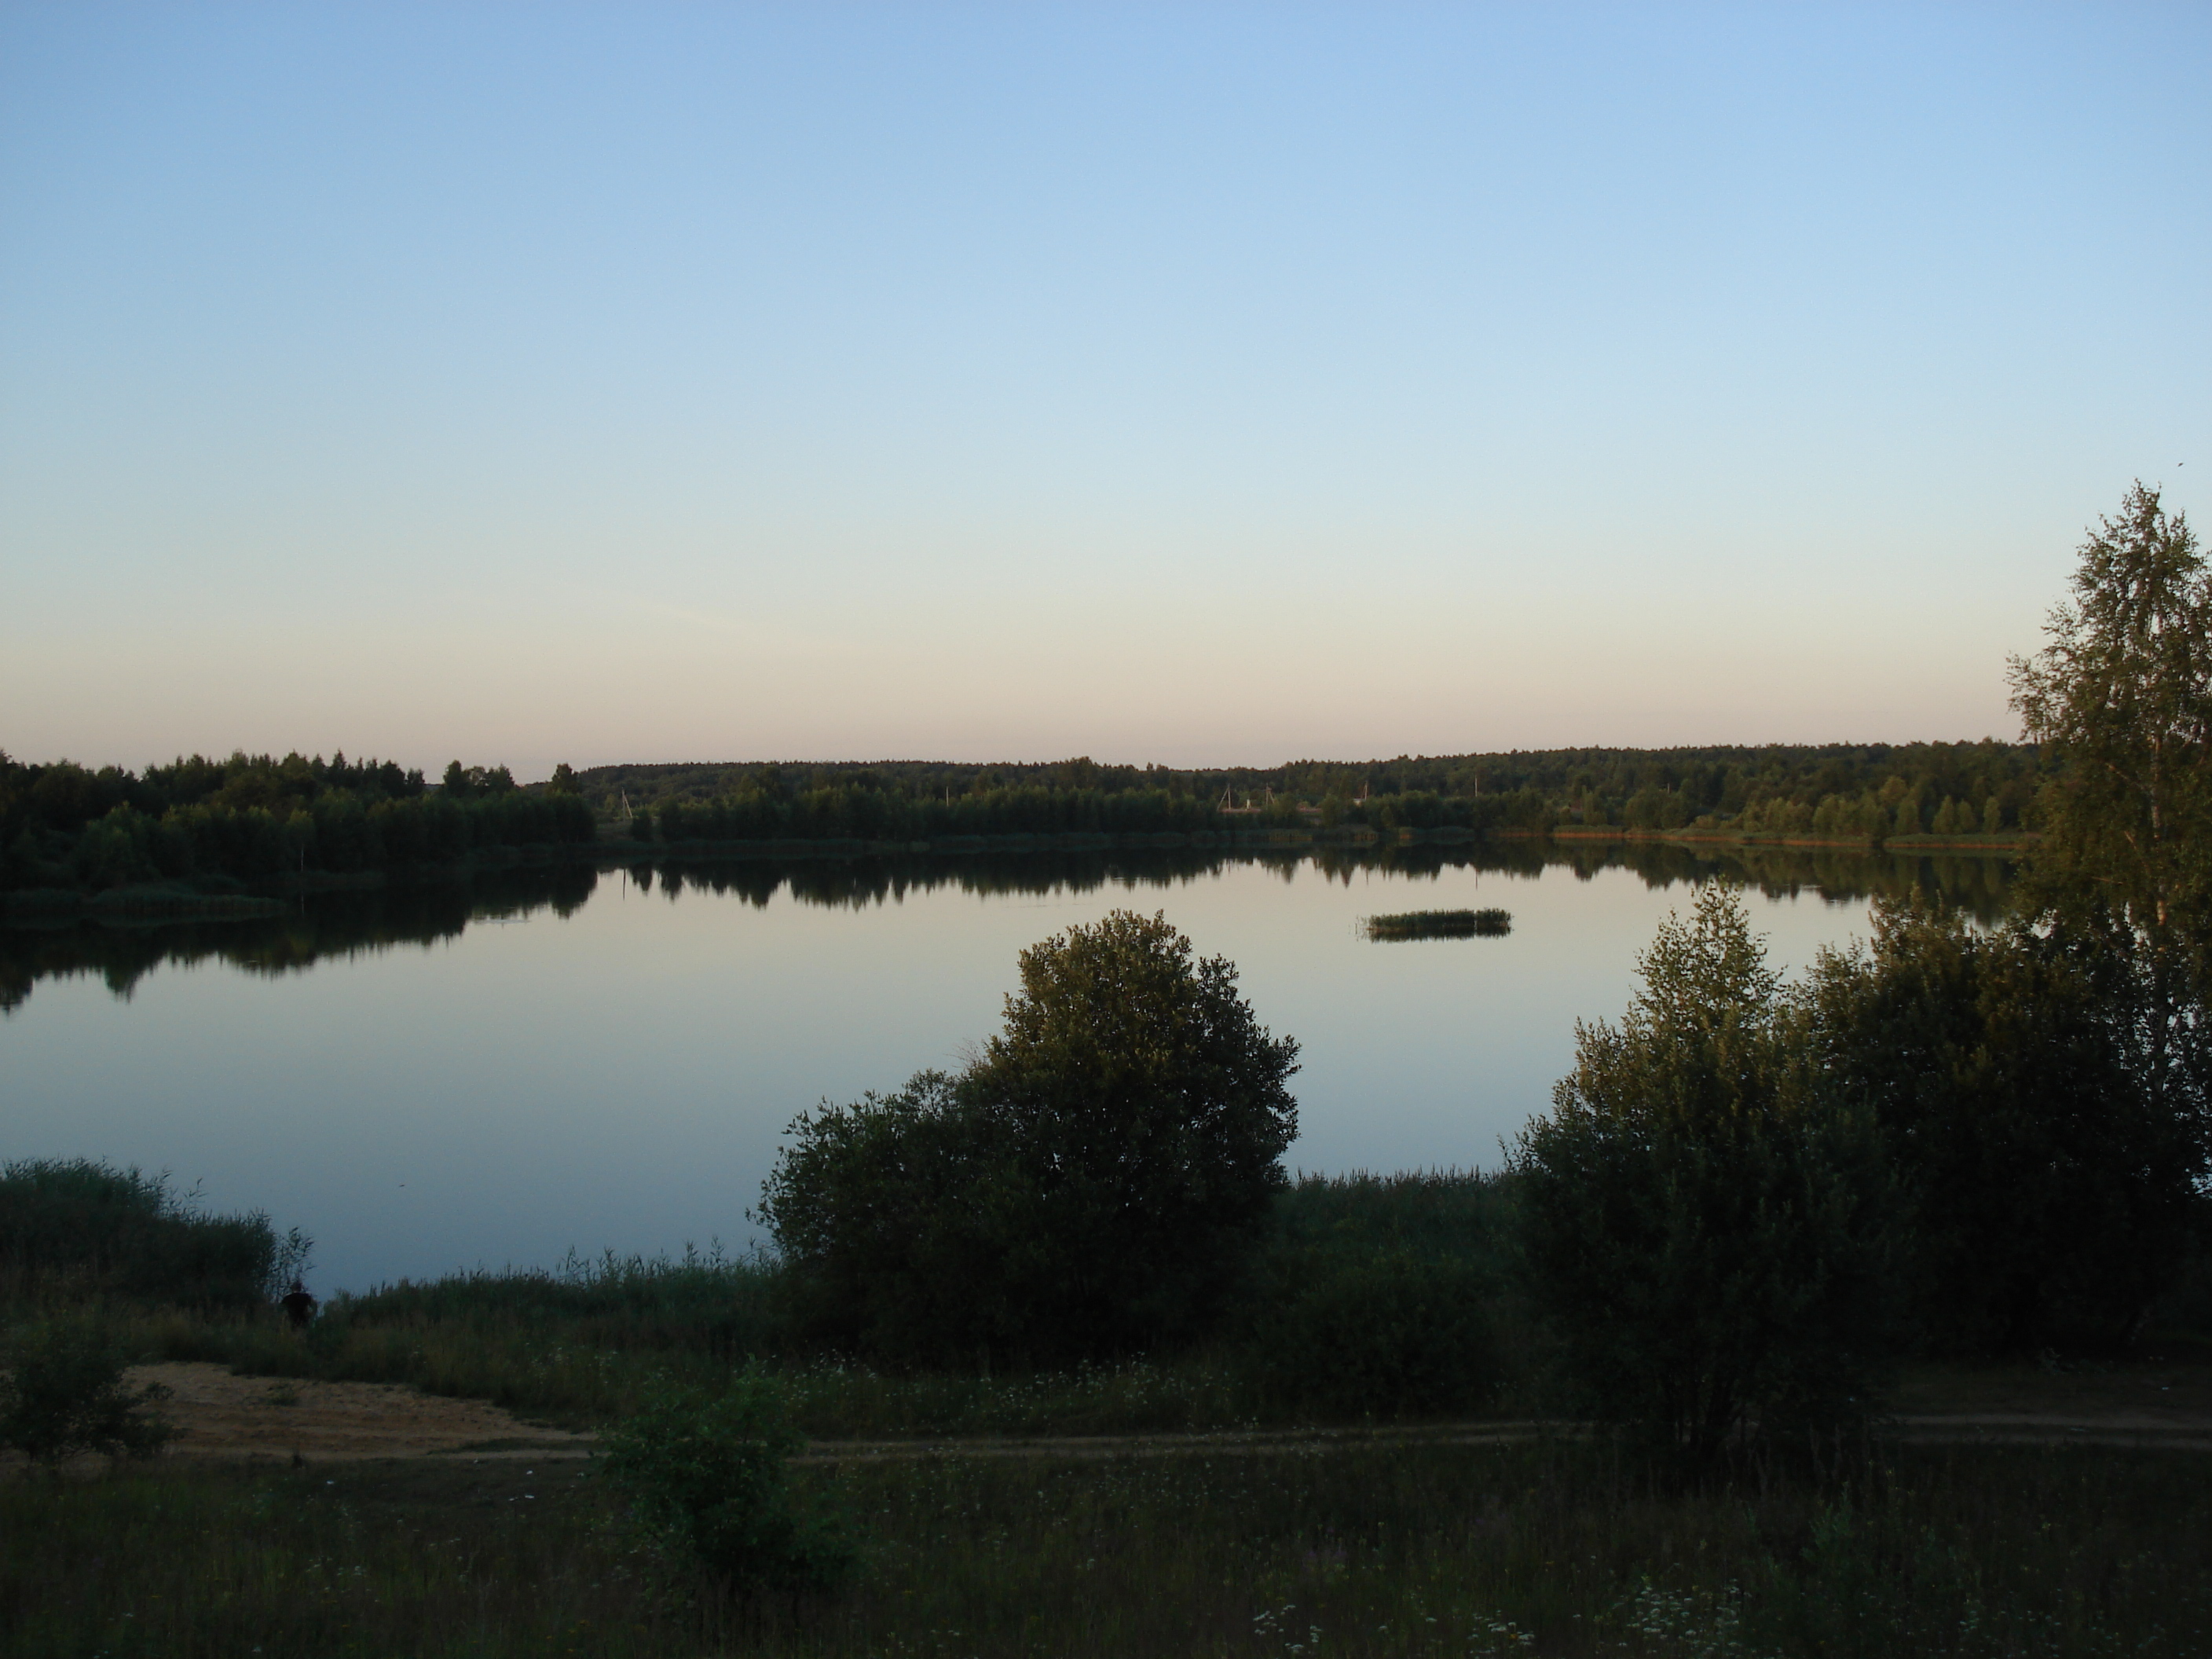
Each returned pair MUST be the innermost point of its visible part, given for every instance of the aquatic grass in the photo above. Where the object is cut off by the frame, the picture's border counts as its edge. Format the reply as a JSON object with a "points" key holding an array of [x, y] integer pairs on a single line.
{"points": [[1439, 924], [582, 1342], [74, 1230]]}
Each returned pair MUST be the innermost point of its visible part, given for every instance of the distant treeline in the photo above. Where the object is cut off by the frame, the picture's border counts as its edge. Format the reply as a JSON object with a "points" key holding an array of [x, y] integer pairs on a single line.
{"points": [[1868, 791], [252, 818]]}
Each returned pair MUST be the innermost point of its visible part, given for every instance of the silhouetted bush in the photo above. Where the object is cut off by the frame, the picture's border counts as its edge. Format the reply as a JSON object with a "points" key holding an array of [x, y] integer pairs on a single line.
{"points": [[63, 1392], [80, 1228], [2052, 1197], [1709, 1233], [707, 1482], [1090, 1185]]}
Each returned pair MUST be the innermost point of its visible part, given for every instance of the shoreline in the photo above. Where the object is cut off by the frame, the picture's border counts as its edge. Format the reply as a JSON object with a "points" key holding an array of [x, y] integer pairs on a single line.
{"points": [[151, 903]]}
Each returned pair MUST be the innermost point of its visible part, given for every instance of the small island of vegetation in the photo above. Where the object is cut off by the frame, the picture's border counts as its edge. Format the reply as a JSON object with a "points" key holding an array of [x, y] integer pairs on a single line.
{"points": [[1439, 924]]}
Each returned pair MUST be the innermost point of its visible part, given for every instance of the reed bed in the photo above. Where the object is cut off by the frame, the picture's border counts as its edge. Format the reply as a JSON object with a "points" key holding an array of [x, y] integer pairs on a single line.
{"points": [[1372, 1298], [1439, 924]]}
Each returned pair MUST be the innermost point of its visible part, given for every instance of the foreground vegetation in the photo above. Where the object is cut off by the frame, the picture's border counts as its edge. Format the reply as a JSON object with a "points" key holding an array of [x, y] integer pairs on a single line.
{"points": [[1371, 1298], [1545, 1549]]}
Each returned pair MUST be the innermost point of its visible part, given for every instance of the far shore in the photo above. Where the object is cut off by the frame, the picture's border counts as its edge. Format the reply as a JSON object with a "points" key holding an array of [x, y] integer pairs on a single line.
{"points": [[156, 902]]}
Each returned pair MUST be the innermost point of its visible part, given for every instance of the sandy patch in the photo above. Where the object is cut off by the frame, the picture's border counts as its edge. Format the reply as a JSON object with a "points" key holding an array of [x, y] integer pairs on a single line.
{"points": [[280, 1418]]}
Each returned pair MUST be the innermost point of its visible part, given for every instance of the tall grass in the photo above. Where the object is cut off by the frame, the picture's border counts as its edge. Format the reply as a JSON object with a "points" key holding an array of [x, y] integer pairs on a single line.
{"points": [[74, 1229], [1553, 1550], [1369, 1297]]}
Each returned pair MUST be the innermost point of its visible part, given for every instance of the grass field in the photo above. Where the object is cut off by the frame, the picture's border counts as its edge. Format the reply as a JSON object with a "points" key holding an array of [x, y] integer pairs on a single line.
{"points": [[1538, 1549]]}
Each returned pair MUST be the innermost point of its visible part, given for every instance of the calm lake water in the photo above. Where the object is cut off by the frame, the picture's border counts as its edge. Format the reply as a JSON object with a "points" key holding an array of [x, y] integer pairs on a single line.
{"points": [[455, 1076]]}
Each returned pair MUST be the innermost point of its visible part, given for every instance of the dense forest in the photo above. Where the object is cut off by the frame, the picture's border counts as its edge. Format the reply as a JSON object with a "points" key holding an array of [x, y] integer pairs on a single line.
{"points": [[217, 823], [254, 819], [1844, 792]]}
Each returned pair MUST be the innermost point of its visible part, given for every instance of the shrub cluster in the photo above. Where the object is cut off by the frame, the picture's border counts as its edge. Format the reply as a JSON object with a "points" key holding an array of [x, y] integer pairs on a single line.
{"points": [[62, 1392], [706, 1478], [1089, 1186], [87, 1231]]}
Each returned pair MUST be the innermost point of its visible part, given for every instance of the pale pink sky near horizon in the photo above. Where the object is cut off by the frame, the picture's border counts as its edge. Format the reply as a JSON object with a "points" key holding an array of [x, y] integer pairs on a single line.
{"points": [[1206, 384]]}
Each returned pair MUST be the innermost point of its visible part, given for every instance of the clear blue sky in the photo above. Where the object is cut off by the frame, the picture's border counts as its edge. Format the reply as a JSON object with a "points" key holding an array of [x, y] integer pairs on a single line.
{"points": [[1190, 383]]}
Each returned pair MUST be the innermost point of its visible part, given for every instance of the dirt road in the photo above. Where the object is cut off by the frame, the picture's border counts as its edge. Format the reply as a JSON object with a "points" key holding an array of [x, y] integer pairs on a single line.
{"points": [[265, 1418]]}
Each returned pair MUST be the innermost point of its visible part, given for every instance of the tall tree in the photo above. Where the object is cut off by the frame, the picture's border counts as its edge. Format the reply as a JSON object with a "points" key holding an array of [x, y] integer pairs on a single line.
{"points": [[1710, 1230], [1090, 1185], [2121, 696]]}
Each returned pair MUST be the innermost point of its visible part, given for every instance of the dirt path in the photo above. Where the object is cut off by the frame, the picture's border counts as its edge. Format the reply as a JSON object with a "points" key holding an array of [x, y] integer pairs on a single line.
{"points": [[271, 1419]]}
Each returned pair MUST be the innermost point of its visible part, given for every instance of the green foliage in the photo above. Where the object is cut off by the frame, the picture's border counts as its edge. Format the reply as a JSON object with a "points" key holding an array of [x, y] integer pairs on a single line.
{"points": [[63, 1392], [2052, 1198], [1382, 1297], [1090, 1184], [1381, 1333], [76, 1228], [1834, 792], [706, 1479], [201, 822], [1708, 1230], [2121, 697]]}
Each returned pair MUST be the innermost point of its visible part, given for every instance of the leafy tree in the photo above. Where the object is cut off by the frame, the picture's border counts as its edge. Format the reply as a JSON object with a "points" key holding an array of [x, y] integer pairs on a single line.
{"points": [[1148, 1112], [2050, 1199], [1090, 1184], [881, 1208], [63, 1393], [1709, 1232], [2121, 695]]}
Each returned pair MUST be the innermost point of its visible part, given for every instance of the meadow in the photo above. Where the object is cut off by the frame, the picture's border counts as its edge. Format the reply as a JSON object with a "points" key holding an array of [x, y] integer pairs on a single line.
{"points": [[1549, 1548]]}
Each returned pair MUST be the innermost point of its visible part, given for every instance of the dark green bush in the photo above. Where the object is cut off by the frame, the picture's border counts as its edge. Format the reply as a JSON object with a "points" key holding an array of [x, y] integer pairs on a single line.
{"points": [[1710, 1232], [80, 1228], [2052, 1197], [1090, 1186], [707, 1481], [63, 1392]]}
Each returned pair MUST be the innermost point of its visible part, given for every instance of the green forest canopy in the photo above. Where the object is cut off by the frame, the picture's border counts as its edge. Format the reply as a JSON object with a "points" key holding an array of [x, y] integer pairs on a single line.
{"points": [[256, 816], [1869, 790]]}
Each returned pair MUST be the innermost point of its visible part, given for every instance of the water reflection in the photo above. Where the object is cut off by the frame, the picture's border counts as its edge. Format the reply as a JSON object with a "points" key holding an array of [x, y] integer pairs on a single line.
{"points": [[349, 924]]}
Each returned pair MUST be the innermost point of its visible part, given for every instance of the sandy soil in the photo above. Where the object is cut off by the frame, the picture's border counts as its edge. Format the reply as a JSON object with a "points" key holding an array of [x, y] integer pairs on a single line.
{"points": [[269, 1418], [266, 1418]]}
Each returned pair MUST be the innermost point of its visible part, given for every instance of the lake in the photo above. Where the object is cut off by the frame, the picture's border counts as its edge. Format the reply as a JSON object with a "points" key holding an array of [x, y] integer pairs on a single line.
{"points": [[499, 1071]]}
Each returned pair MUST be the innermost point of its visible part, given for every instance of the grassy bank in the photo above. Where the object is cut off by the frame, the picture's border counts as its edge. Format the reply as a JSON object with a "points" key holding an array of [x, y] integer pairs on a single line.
{"points": [[1461, 1551], [1373, 1297]]}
